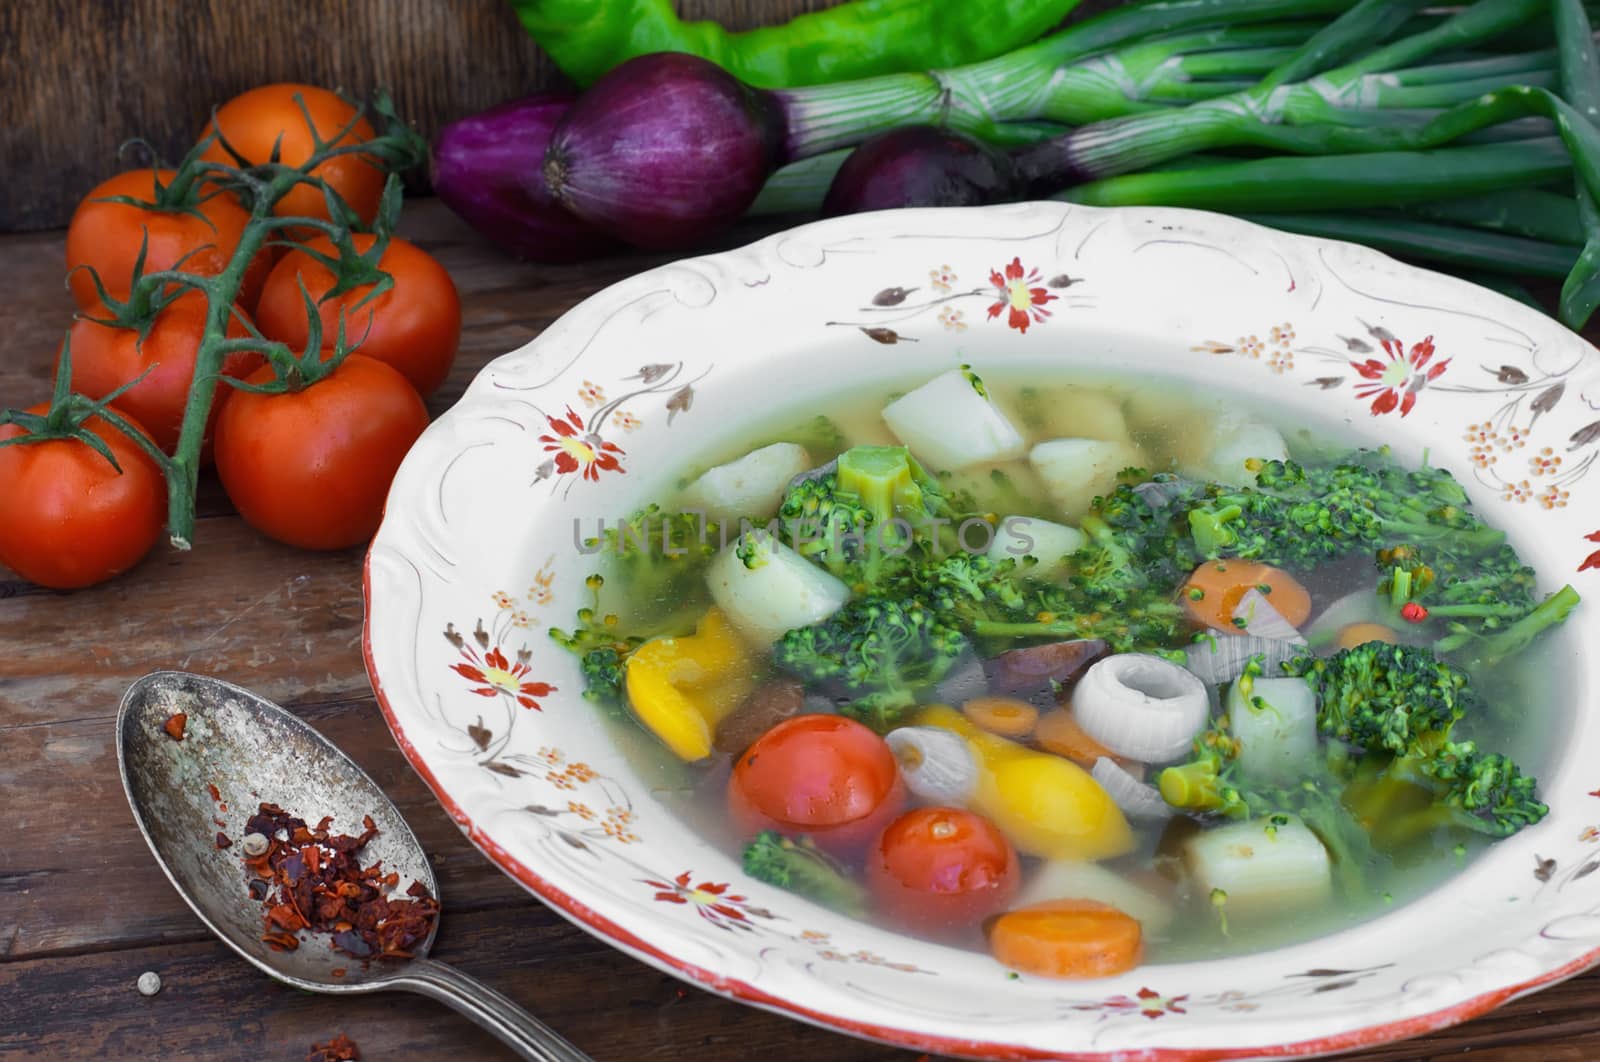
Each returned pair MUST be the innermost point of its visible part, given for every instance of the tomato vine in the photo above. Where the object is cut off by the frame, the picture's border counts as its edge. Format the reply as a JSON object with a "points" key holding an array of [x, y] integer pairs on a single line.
{"points": [[260, 187]]}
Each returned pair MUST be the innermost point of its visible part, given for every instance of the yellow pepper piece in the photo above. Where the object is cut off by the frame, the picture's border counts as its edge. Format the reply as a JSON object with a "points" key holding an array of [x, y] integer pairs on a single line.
{"points": [[682, 688], [1045, 804]]}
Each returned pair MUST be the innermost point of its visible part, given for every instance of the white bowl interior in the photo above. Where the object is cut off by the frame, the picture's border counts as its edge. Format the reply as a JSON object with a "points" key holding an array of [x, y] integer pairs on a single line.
{"points": [[764, 334]]}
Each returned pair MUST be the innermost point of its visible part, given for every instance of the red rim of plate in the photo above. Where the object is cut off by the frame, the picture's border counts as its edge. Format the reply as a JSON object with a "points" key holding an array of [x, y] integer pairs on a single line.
{"points": [[592, 921]]}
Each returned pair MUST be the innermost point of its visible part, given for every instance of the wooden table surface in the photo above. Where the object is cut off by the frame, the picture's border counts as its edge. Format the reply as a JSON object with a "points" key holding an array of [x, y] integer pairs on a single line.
{"points": [[84, 909]]}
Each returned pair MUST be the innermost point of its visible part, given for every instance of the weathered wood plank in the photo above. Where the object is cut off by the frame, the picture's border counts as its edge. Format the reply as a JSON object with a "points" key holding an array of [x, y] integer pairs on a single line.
{"points": [[75, 874], [213, 1005], [85, 77]]}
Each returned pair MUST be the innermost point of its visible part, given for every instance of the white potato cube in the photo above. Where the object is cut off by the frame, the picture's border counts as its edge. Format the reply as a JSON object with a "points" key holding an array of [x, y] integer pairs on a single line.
{"points": [[1066, 879], [783, 591], [1234, 443], [1262, 867], [1276, 730], [1048, 543], [1089, 414], [1076, 471], [950, 423], [752, 486]]}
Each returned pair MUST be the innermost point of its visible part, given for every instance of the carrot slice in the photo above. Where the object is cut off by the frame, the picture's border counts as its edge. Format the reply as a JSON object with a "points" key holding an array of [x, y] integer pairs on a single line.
{"points": [[1005, 716], [1067, 938], [1059, 732], [1354, 634], [1215, 589]]}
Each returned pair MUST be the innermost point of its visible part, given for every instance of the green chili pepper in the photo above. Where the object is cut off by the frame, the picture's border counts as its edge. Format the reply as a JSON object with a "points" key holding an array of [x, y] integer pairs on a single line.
{"points": [[586, 38]]}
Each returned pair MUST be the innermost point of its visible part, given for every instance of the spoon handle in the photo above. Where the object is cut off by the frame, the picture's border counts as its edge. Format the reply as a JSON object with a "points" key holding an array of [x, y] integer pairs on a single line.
{"points": [[522, 1032]]}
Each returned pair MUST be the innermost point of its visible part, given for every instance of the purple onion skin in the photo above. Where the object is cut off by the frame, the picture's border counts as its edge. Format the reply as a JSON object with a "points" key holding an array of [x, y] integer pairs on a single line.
{"points": [[918, 166], [665, 151], [489, 169]]}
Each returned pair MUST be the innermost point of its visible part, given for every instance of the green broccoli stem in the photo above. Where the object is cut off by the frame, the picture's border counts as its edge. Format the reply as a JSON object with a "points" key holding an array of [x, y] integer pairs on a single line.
{"points": [[1513, 639], [1400, 586], [1348, 844], [1196, 786], [1479, 611], [1208, 528], [803, 869]]}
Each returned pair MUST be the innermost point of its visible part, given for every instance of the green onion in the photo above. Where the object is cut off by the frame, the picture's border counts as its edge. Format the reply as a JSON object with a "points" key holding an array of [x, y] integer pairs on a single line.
{"points": [[1449, 245], [1580, 85], [1378, 179], [1530, 212]]}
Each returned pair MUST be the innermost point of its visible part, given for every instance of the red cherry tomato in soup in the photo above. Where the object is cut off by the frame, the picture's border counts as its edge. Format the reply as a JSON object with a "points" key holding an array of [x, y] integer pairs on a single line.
{"points": [[823, 776], [942, 869]]}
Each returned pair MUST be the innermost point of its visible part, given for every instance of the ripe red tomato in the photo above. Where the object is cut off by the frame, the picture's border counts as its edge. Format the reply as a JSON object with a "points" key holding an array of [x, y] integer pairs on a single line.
{"points": [[415, 326], [942, 870], [105, 357], [106, 237], [824, 776], [256, 121], [312, 467], [67, 518]]}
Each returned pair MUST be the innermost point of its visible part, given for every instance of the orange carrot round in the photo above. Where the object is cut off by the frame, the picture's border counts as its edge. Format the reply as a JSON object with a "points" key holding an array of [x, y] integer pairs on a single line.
{"points": [[1005, 716], [1059, 732], [1215, 589], [1067, 938], [1354, 634]]}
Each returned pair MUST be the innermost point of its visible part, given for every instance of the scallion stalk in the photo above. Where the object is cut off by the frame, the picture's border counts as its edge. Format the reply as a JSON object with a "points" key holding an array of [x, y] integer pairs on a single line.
{"points": [[1337, 182], [1028, 83], [1530, 212], [1580, 86], [1450, 245]]}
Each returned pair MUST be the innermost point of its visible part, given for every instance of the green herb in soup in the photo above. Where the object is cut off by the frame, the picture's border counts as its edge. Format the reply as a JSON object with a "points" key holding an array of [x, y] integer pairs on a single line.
{"points": [[1082, 676]]}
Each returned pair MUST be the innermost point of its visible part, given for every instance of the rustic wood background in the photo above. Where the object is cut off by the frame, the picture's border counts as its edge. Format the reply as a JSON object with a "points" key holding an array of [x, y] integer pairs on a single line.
{"points": [[83, 907], [80, 77]]}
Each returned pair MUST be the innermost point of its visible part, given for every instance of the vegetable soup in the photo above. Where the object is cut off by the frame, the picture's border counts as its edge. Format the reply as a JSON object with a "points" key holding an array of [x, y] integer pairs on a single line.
{"points": [[1080, 674]]}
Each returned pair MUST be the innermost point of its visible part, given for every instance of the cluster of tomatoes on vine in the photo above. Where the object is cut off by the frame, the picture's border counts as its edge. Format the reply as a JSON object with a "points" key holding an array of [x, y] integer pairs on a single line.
{"points": [[251, 309]]}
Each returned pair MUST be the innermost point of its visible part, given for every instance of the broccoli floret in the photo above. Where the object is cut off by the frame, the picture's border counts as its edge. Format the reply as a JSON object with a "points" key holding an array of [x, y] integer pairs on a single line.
{"points": [[1487, 649], [1458, 787], [660, 558], [600, 647], [871, 518], [1398, 705], [879, 652], [969, 588], [802, 868], [1379, 697], [1208, 784]]}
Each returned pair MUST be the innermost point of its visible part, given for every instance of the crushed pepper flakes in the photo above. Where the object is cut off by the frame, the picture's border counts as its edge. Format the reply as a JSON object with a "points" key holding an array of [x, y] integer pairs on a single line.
{"points": [[310, 878], [340, 1049], [175, 724], [223, 841]]}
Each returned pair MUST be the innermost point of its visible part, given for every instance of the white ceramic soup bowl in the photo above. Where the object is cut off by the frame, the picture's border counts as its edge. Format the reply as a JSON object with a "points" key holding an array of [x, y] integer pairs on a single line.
{"points": [[477, 559]]}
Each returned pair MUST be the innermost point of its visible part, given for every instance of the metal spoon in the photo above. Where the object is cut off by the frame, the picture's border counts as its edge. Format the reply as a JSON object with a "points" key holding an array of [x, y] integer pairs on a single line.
{"points": [[253, 751]]}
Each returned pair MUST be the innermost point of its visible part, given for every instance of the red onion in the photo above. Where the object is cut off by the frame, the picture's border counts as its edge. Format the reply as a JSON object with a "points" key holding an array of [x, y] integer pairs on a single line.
{"points": [[665, 150], [488, 168], [919, 166]]}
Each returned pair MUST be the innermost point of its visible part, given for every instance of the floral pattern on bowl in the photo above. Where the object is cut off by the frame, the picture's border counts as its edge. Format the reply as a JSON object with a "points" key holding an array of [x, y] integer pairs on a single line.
{"points": [[636, 383]]}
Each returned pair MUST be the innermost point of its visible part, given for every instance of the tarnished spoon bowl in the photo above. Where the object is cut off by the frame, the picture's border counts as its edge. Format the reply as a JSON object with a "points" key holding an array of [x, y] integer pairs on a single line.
{"points": [[238, 751]]}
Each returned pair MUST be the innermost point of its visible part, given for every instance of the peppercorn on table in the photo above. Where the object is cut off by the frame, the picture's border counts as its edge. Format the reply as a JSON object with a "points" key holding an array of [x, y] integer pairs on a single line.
{"points": [[85, 912]]}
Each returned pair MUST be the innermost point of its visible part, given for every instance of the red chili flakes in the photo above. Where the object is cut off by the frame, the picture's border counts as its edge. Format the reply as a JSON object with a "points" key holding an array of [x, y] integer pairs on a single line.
{"points": [[175, 724], [216, 797], [338, 971], [311, 878], [222, 840], [339, 1049]]}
